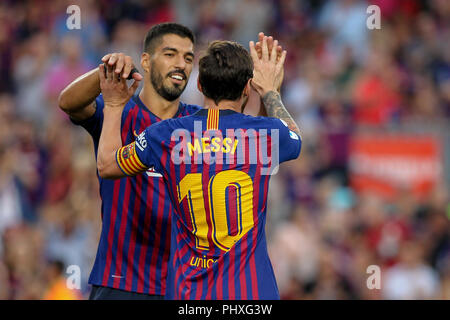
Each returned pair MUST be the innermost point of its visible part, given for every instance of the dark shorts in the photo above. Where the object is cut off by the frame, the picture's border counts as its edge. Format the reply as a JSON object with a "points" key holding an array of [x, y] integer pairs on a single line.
{"points": [[105, 293]]}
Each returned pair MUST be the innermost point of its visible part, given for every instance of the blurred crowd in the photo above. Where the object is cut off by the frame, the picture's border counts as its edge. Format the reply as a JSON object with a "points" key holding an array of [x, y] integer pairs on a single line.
{"points": [[340, 78]]}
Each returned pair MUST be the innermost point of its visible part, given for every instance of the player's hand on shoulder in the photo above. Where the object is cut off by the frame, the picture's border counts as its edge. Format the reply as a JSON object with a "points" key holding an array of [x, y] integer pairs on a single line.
{"points": [[114, 87]]}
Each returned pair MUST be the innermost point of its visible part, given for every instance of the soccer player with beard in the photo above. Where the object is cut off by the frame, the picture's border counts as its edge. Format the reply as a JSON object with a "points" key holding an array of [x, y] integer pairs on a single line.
{"points": [[131, 260], [216, 165]]}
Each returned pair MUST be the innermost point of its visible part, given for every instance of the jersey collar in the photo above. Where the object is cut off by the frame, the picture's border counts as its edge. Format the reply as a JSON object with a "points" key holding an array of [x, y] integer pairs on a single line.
{"points": [[139, 102], [204, 112]]}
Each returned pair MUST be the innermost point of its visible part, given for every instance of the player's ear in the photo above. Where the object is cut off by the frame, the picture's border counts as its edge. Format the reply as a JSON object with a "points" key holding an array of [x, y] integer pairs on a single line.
{"points": [[247, 88], [199, 86], [145, 61]]}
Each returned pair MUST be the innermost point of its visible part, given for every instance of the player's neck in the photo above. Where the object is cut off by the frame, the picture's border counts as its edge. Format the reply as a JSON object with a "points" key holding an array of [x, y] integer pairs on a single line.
{"points": [[224, 105], [159, 106]]}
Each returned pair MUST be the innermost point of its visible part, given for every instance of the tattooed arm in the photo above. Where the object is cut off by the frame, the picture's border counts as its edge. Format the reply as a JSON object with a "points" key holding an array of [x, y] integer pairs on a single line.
{"points": [[275, 108], [267, 77]]}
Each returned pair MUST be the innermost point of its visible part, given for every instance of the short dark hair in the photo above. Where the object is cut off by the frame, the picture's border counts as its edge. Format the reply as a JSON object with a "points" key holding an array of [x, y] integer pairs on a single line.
{"points": [[155, 34], [225, 70]]}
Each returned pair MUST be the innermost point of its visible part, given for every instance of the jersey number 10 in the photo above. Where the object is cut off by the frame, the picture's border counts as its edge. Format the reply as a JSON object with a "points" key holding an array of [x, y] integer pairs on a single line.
{"points": [[219, 204]]}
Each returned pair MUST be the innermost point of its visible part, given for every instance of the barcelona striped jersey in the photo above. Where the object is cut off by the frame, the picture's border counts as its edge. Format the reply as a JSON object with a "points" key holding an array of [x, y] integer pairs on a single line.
{"points": [[135, 238], [217, 166]]}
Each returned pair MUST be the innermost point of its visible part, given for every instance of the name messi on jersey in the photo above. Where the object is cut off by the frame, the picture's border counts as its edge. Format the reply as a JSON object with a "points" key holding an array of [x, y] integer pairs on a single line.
{"points": [[239, 146], [214, 144]]}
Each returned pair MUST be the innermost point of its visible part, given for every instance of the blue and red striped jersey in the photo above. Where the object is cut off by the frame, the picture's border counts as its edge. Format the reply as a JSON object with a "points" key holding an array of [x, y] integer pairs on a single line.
{"points": [[217, 166], [135, 238]]}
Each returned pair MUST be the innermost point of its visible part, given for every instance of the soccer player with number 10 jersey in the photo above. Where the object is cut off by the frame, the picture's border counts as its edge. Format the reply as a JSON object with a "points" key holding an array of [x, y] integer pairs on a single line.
{"points": [[216, 164]]}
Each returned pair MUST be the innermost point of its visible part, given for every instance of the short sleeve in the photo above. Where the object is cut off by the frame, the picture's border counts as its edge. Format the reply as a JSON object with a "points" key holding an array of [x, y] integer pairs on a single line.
{"points": [[190, 109], [149, 145], [128, 161], [144, 149], [290, 143], [93, 124], [145, 152], [136, 157]]}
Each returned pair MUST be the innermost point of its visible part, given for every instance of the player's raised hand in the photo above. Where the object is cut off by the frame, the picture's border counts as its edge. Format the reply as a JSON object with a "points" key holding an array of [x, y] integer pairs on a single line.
{"points": [[279, 51], [115, 90], [270, 41], [122, 64], [268, 69]]}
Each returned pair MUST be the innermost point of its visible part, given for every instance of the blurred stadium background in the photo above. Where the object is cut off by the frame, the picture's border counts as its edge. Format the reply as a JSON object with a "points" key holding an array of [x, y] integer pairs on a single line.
{"points": [[371, 185]]}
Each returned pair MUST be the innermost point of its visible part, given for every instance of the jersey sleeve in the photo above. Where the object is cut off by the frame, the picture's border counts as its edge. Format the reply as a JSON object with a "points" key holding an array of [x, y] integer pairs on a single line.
{"points": [[290, 143], [128, 160], [142, 154], [94, 123], [190, 109]]}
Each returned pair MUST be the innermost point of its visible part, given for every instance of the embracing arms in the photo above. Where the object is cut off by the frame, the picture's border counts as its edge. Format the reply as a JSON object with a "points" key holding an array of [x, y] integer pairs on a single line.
{"points": [[78, 98]]}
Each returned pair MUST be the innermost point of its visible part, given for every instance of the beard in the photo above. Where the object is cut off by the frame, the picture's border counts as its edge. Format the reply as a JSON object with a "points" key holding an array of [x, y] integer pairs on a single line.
{"points": [[169, 92]]}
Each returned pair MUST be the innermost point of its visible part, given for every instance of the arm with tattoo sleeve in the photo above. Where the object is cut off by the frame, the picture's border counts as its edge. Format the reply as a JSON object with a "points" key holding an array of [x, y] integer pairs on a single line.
{"points": [[275, 108], [267, 77]]}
